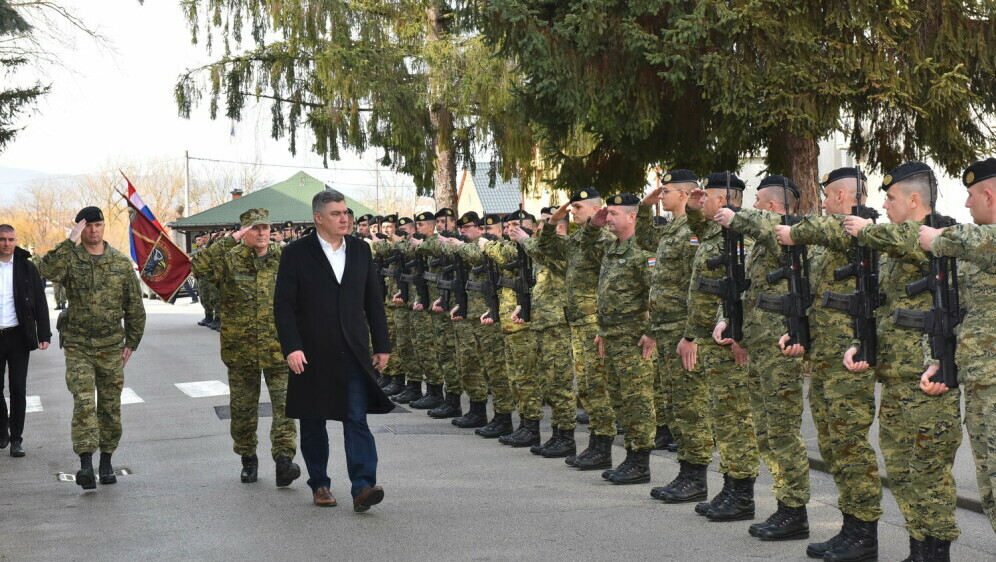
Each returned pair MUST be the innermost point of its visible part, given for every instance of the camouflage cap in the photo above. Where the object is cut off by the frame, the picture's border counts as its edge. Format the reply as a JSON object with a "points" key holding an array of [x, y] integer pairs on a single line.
{"points": [[253, 217]]}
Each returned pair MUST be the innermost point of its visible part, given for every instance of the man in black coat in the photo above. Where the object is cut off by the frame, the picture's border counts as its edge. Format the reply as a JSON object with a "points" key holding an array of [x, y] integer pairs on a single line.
{"points": [[24, 328], [327, 307]]}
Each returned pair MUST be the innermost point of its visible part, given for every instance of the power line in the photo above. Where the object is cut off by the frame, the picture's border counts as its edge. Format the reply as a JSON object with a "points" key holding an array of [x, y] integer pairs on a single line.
{"points": [[281, 165]]}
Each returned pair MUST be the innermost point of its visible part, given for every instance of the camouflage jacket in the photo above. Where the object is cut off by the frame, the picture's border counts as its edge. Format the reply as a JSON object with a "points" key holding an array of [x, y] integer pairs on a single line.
{"points": [[674, 246], [765, 256], [581, 273], [246, 283], [703, 308], [548, 294], [975, 248], [829, 249], [384, 249], [429, 250], [625, 271], [473, 256], [105, 300], [503, 252]]}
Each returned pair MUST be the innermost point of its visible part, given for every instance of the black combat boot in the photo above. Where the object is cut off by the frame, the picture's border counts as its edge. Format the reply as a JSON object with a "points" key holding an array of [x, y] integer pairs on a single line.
{"points": [[527, 434], [818, 549], [477, 416], [624, 465], [215, 324], [450, 408], [917, 550], [704, 507], [500, 425], [433, 397], [250, 468], [738, 503], [538, 449], [860, 543], [787, 523], [105, 471], [205, 321], [412, 392], [396, 386], [600, 456], [663, 439], [690, 485], [287, 472], [572, 460], [563, 445], [620, 430], [85, 478], [638, 471], [384, 381], [937, 550]]}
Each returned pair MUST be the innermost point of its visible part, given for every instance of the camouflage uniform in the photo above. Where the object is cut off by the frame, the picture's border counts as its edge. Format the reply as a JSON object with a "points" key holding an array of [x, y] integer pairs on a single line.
{"points": [[675, 248], [104, 292], [207, 292], [552, 363], [443, 329], [842, 402], [581, 278], [775, 380], [59, 292], [623, 318], [248, 341], [919, 434], [975, 248], [382, 249], [729, 410], [423, 329]]}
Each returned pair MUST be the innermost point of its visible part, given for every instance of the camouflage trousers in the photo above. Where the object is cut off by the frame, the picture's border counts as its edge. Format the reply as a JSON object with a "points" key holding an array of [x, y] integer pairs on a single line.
{"points": [[391, 369], [244, 386], [776, 397], [403, 349], [520, 364], [553, 369], [474, 356], [919, 435], [666, 361], [631, 383], [491, 341], [209, 296], [423, 332], [446, 351], [690, 404], [592, 382], [843, 407], [729, 411], [980, 420], [59, 291], [96, 424]]}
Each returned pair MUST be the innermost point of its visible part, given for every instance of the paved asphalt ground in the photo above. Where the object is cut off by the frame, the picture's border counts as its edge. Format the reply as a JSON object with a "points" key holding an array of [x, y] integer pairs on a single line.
{"points": [[449, 494]]}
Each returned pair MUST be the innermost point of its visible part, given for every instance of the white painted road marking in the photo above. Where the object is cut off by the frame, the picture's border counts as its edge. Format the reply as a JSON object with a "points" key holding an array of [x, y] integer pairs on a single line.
{"points": [[201, 389], [128, 396]]}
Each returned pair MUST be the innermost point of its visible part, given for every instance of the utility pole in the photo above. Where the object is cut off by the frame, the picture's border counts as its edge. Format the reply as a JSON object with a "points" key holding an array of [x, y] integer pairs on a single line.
{"points": [[186, 183]]}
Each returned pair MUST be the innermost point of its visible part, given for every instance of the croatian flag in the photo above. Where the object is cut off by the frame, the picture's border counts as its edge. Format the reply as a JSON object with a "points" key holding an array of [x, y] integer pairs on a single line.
{"points": [[136, 200]]}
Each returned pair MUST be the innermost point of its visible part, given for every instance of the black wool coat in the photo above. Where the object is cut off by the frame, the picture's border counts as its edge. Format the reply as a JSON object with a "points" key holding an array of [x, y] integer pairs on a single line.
{"points": [[316, 314], [30, 305]]}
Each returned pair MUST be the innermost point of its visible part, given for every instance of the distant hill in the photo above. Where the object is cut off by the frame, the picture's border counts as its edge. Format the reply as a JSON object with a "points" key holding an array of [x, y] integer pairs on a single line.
{"points": [[13, 180]]}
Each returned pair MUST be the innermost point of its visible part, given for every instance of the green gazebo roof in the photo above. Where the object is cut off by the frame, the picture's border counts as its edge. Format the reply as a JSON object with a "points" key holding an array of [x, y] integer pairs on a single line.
{"points": [[289, 200]]}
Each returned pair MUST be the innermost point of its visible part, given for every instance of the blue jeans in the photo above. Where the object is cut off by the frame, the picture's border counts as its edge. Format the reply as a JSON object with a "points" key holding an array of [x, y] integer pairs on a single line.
{"points": [[361, 451]]}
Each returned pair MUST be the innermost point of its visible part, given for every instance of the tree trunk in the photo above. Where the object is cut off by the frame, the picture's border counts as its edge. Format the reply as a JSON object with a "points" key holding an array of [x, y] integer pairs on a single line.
{"points": [[444, 178], [802, 157]]}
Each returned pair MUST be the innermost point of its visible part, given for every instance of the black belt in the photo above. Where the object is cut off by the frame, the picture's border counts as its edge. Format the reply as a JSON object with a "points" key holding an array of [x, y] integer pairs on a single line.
{"points": [[8, 329]]}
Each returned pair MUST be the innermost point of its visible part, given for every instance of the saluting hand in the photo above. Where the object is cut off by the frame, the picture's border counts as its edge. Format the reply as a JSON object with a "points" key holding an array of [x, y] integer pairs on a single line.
{"points": [[241, 232], [77, 232], [561, 212], [927, 236], [696, 199], [654, 196], [296, 362], [599, 218]]}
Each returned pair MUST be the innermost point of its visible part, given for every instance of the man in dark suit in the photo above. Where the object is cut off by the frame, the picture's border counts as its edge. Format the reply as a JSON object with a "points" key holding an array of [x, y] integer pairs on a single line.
{"points": [[24, 327], [328, 306]]}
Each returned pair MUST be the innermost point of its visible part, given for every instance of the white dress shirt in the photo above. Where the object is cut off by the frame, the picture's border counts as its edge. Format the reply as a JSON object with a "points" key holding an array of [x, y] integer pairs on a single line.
{"points": [[8, 316], [336, 257]]}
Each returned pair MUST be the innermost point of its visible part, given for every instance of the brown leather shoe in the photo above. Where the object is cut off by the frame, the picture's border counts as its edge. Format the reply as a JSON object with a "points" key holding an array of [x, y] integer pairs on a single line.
{"points": [[324, 498], [368, 496]]}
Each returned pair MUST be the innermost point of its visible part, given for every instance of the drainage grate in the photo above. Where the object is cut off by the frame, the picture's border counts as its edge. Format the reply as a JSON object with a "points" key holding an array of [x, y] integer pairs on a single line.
{"points": [[71, 476]]}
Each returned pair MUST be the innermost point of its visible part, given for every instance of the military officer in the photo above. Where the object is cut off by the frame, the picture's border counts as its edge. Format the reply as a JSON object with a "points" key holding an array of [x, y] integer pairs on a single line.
{"points": [[102, 329], [363, 225], [436, 362]]}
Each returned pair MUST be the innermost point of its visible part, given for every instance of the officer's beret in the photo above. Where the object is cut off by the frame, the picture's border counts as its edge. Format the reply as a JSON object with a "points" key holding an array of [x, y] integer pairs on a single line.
{"points": [[546, 211], [90, 214], [288, 224], [491, 219], [469, 217], [402, 221], [375, 219], [253, 217], [779, 182], [903, 172], [839, 174], [679, 176], [717, 180], [425, 216], [365, 218], [445, 212], [623, 200], [393, 217], [981, 170], [584, 195]]}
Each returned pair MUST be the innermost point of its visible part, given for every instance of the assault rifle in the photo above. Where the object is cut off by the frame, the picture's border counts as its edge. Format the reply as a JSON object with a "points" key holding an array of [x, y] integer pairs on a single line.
{"points": [[397, 273], [489, 287], [523, 282], [731, 287], [416, 276], [860, 304], [939, 322], [452, 279], [795, 270]]}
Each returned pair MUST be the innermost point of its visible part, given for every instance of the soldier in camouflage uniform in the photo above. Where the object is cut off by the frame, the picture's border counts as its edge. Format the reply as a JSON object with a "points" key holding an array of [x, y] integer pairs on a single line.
{"points": [[424, 320], [581, 276], [403, 316], [722, 367], [775, 380], [99, 333], [381, 247], [244, 266], [623, 324], [842, 403], [206, 290], [975, 248], [59, 292], [919, 434]]}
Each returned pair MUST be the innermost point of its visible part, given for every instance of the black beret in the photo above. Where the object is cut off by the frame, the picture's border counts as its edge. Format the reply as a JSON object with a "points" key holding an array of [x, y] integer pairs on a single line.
{"points": [[981, 170], [903, 172], [585, 194], [90, 214], [444, 212], [402, 221], [236, 226], [288, 224], [717, 180], [623, 199], [469, 217], [841, 173], [546, 211], [779, 182], [491, 219], [660, 221], [349, 211], [679, 176], [389, 218], [425, 216], [365, 218]]}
